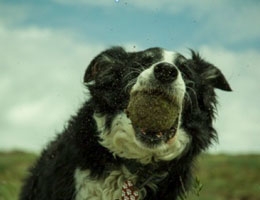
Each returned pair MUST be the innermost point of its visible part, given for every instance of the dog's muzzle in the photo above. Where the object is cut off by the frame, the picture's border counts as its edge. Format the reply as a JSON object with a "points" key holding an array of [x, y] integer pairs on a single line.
{"points": [[149, 109]]}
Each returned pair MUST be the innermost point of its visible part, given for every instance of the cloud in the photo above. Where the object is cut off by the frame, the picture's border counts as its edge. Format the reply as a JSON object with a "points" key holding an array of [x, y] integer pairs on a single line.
{"points": [[173, 5], [12, 13], [40, 83], [41, 86], [230, 22], [42, 69], [238, 116]]}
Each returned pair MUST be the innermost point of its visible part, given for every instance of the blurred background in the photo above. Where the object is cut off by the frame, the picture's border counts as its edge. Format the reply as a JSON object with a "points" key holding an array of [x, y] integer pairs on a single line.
{"points": [[46, 45]]}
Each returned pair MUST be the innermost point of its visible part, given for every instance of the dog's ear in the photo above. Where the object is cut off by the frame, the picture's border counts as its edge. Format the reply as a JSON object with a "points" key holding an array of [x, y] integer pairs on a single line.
{"points": [[90, 72], [215, 78], [95, 67], [211, 74], [104, 61]]}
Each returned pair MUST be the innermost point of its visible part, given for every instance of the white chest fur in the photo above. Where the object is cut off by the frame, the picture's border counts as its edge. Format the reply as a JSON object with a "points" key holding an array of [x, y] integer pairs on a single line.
{"points": [[109, 188]]}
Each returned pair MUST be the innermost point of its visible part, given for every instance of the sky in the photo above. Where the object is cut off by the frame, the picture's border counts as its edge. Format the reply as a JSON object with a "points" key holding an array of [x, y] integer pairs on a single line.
{"points": [[46, 45]]}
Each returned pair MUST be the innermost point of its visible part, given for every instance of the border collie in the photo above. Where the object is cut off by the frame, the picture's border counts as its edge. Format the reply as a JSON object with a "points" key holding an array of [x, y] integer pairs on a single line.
{"points": [[101, 155]]}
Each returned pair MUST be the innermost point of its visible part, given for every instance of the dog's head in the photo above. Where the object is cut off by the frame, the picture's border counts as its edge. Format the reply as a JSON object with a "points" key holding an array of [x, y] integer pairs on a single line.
{"points": [[190, 82]]}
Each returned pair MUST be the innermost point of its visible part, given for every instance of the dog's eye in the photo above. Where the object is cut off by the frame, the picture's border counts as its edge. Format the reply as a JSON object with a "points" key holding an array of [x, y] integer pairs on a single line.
{"points": [[187, 77], [143, 62], [147, 59], [186, 71]]}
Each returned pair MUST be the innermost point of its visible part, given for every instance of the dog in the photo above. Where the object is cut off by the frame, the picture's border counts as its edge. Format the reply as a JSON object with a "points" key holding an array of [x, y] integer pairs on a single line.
{"points": [[102, 155]]}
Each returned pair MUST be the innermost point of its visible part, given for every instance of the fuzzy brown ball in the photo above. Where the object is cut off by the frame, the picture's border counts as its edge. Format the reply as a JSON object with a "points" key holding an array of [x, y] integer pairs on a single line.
{"points": [[152, 112]]}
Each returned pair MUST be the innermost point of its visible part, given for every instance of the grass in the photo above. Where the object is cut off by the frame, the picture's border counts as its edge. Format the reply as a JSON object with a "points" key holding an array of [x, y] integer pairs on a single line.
{"points": [[13, 168], [229, 177], [220, 177]]}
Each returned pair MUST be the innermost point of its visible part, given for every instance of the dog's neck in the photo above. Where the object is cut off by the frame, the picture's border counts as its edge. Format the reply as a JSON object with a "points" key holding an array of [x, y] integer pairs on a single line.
{"points": [[155, 172]]}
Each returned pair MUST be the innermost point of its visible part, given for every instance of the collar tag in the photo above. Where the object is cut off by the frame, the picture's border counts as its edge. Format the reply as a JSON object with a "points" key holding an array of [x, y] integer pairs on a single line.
{"points": [[129, 192]]}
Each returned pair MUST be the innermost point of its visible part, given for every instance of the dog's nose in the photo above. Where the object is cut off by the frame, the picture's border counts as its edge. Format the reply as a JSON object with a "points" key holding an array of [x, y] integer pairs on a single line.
{"points": [[165, 72]]}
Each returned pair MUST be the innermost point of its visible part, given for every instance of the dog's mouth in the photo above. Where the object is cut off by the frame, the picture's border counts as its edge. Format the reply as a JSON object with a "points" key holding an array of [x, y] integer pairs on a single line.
{"points": [[154, 115], [156, 137]]}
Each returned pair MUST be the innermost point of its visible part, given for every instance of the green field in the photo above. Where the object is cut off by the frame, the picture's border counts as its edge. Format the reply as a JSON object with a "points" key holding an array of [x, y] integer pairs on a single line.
{"points": [[13, 167], [222, 177]]}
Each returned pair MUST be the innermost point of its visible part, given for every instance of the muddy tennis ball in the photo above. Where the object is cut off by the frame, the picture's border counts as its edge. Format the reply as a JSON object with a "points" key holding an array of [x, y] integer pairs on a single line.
{"points": [[152, 111]]}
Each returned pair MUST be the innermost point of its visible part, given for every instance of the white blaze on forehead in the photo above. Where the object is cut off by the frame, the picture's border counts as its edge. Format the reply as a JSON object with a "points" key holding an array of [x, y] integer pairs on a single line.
{"points": [[169, 56], [144, 79]]}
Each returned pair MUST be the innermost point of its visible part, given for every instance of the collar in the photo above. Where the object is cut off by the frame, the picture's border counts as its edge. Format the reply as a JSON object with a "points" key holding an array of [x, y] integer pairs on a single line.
{"points": [[146, 173]]}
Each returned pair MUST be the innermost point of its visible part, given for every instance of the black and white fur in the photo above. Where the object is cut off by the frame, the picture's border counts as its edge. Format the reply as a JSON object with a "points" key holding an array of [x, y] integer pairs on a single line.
{"points": [[100, 148]]}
